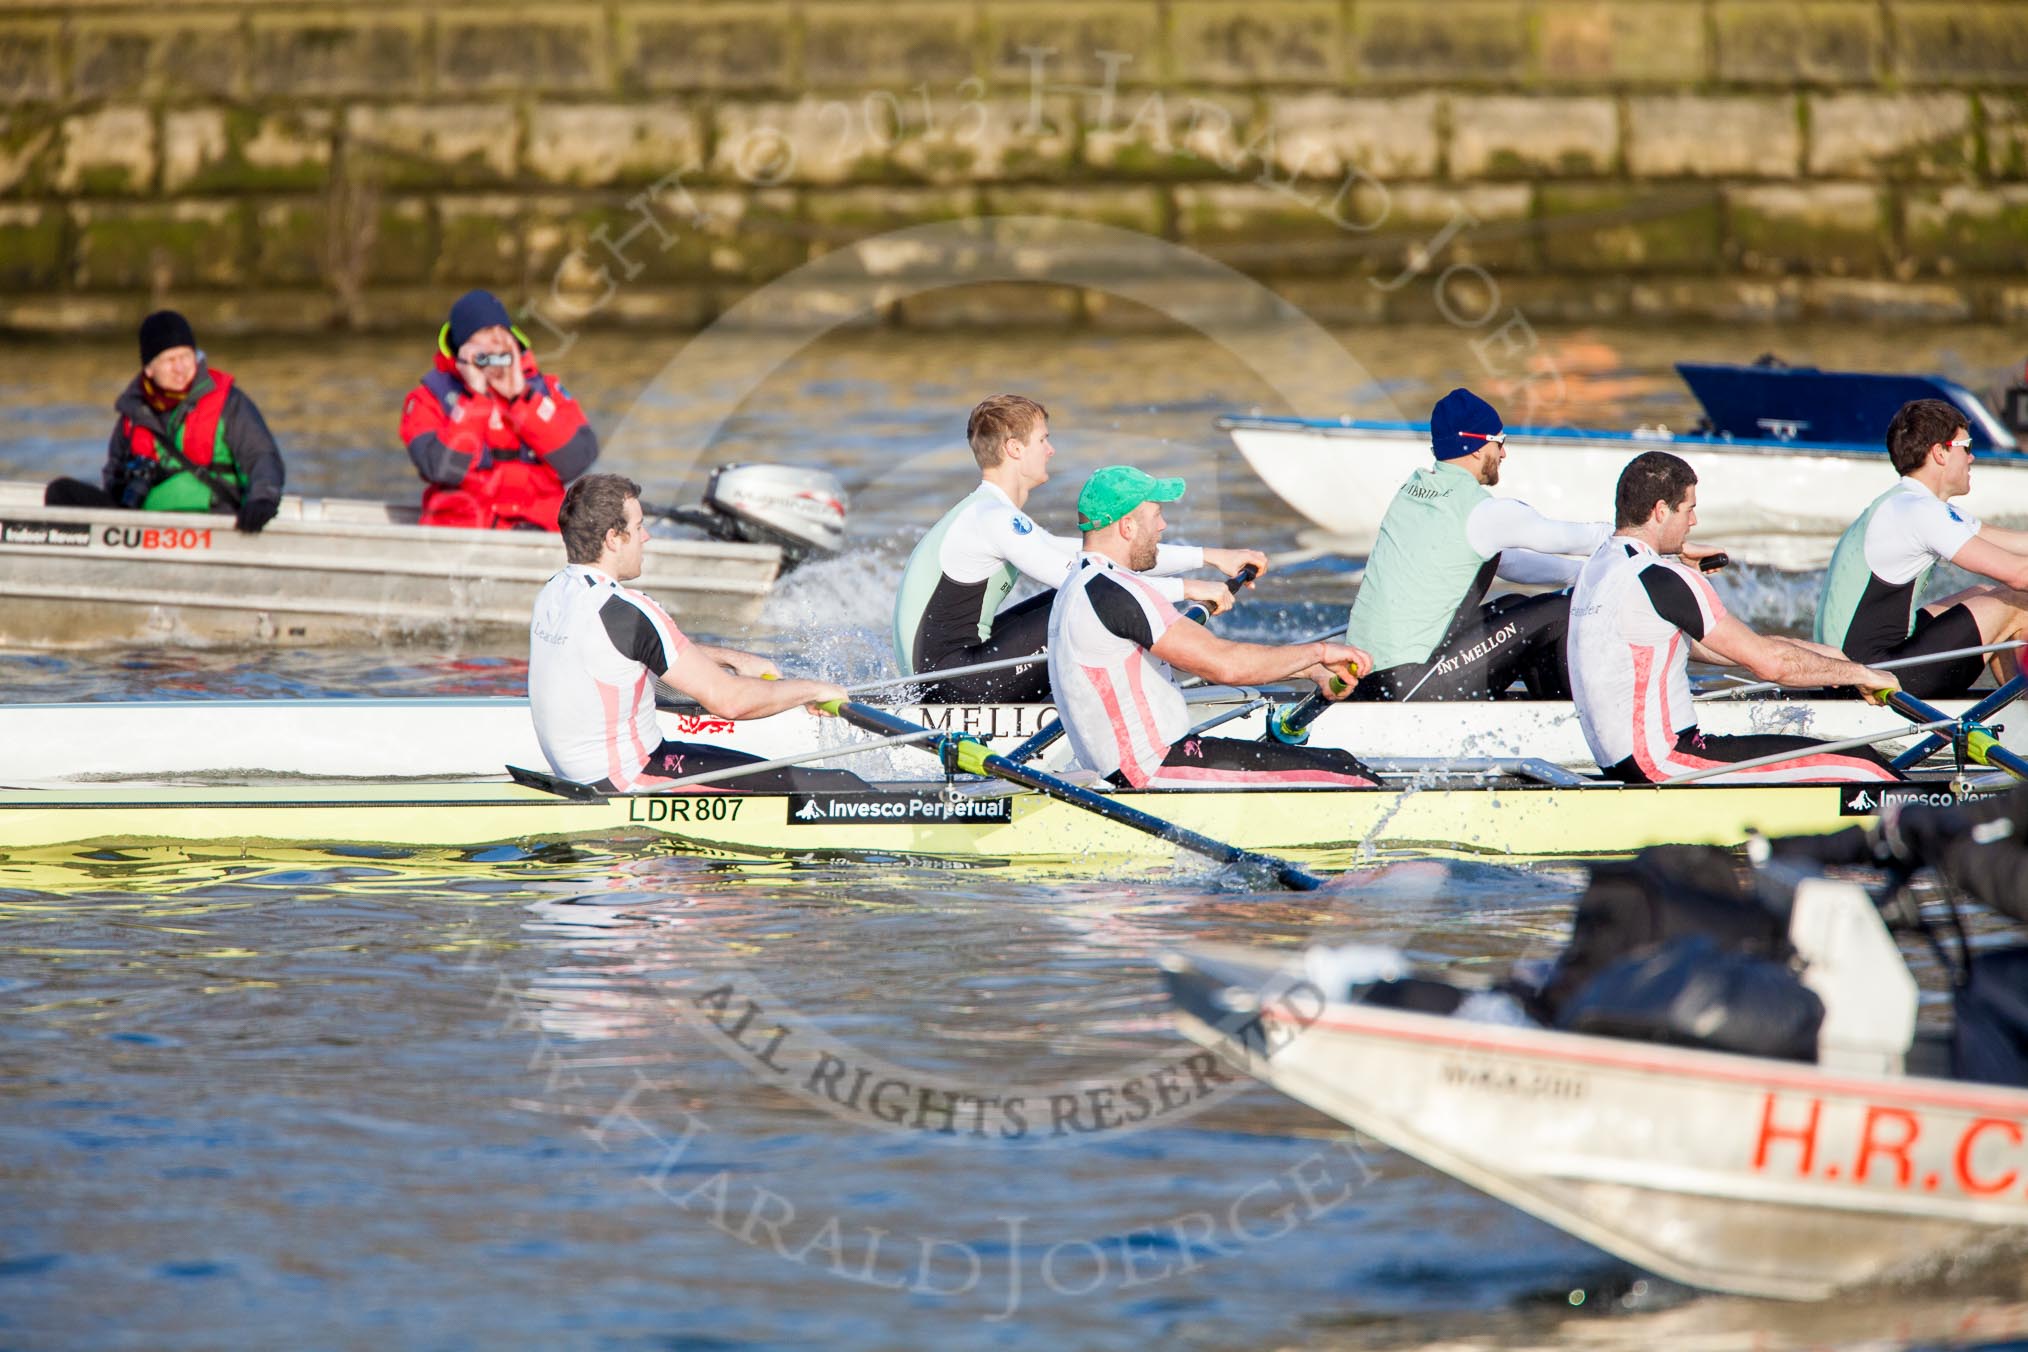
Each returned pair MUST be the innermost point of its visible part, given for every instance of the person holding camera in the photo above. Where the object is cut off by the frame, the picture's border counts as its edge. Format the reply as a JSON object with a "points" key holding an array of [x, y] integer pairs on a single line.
{"points": [[494, 438], [189, 439]]}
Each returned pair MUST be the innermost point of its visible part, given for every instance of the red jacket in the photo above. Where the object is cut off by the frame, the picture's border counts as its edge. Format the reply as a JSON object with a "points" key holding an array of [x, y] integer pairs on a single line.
{"points": [[488, 461]]}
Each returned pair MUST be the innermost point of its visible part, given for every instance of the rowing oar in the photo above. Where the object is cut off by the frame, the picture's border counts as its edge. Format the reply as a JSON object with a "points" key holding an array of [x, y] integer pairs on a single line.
{"points": [[1897, 664], [972, 757], [1045, 736], [1978, 713], [1978, 740]]}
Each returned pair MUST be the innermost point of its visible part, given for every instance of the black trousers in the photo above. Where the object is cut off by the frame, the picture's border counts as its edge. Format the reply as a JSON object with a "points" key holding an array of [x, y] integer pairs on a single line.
{"points": [[1512, 638], [1020, 629]]}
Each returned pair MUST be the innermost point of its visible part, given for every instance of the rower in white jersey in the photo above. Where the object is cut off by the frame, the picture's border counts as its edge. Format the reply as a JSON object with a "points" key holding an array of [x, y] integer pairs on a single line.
{"points": [[947, 609], [595, 648], [1113, 639], [1422, 610], [1639, 616], [1873, 586]]}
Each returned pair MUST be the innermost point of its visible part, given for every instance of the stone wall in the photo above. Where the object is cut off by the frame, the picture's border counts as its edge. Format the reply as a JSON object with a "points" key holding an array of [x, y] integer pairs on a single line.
{"points": [[294, 167]]}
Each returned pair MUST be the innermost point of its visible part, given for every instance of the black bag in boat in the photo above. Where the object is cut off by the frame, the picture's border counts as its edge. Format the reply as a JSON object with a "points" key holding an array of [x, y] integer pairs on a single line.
{"points": [[1664, 893], [1989, 1045], [1695, 994]]}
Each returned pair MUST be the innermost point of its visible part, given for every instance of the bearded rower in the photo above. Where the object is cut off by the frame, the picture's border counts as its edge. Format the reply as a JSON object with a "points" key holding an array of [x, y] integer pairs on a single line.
{"points": [[1869, 604], [1113, 639], [947, 609], [596, 648], [1637, 618], [1422, 610]]}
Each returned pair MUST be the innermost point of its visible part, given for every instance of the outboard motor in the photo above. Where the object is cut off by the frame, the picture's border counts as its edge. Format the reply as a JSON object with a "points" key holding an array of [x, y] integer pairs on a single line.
{"points": [[800, 511]]}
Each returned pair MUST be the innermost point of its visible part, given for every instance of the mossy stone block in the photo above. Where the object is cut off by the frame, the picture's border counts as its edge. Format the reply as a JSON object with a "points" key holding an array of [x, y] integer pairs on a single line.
{"points": [[1892, 136], [1144, 211], [492, 52], [240, 150], [1497, 136], [1057, 44], [404, 247], [32, 253], [1255, 227], [171, 54], [1275, 42], [1968, 229], [1959, 43], [31, 70], [1458, 42], [480, 241], [1620, 42], [1169, 135], [682, 48], [29, 145], [1615, 228], [1798, 42], [2006, 135], [1835, 229], [292, 243], [157, 246], [108, 152], [892, 46], [338, 52], [437, 146]]}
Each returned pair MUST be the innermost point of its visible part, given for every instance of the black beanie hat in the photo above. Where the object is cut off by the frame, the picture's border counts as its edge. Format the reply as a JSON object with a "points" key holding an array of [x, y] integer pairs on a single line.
{"points": [[163, 330], [473, 311]]}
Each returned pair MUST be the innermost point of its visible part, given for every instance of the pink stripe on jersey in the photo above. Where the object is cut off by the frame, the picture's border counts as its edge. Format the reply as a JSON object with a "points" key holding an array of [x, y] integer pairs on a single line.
{"points": [[609, 703], [1141, 706], [1122, 740]]}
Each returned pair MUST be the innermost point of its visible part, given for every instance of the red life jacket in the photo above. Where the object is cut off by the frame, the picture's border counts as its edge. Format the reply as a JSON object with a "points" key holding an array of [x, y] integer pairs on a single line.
{"points": [[200, 425], [506, 487]]}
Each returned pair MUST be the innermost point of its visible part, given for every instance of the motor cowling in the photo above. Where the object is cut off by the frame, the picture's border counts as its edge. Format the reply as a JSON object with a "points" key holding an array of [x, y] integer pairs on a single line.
{"points": [[800, 511]]}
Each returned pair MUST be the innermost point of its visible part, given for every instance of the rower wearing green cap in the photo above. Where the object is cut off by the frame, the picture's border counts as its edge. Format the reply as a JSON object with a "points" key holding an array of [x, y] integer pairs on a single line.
{"points": [[947, 609], [1113, 640]]}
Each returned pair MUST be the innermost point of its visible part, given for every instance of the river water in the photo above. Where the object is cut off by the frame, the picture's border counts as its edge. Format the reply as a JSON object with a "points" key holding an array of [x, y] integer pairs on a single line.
{"points": [[583, 1098]]}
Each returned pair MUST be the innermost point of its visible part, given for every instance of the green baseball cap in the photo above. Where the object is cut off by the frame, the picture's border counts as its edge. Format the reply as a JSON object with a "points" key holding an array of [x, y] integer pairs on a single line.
{"points": [[1116, 490]]}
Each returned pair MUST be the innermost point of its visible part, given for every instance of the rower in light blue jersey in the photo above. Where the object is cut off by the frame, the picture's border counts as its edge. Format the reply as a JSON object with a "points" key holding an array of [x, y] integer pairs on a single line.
{"points": [[1870, 604], [947, 610], [1422, 610]]}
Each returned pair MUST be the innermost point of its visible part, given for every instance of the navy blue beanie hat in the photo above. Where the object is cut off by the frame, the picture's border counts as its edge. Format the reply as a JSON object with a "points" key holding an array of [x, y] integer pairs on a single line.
{"points": [[473, 311], [1461, 423]]}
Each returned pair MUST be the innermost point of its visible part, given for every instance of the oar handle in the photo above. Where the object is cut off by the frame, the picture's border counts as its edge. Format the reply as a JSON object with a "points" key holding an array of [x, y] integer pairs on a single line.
{"points": [[1290, 724], [1246, 574]]}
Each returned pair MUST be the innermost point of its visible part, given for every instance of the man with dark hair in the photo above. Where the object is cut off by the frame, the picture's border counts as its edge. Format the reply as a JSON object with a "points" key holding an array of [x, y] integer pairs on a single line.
{"points": [[947, 608], [494, 438], [1422, 610], [596, 647], [189, 439], [1637, 619], [1112, 640], [1873, 588]]}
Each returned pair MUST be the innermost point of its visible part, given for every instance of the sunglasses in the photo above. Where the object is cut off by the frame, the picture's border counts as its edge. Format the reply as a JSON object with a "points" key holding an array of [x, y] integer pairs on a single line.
{"points": [[1963, 443], [1490, 438]]}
